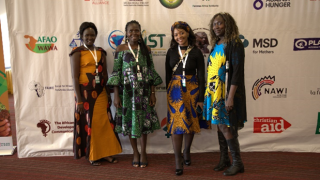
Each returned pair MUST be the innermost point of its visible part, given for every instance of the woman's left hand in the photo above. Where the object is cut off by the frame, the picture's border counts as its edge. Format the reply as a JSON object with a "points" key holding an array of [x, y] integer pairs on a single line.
{"points": [[229, 104], [200, 104], [153, 99]]}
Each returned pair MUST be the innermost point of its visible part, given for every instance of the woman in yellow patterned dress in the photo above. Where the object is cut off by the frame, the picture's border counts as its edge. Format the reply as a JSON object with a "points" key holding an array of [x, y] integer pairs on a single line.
{"points": [[185, 90], [225, 104], [93, 134]]}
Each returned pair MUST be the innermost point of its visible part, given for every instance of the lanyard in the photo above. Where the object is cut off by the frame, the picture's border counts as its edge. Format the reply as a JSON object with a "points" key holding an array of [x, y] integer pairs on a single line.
{"points": [[136, 56], [184, 61], [94, 56]]}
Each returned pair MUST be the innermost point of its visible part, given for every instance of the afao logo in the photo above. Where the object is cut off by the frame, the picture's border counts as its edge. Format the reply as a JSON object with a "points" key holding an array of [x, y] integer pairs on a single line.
{"points": [[258, 4], [45, 127], [318, 125], [41, 45], [171, 4], [270, 125], [245, 42], [37, 87], [115, 38], [257, 88], [76, 42]]}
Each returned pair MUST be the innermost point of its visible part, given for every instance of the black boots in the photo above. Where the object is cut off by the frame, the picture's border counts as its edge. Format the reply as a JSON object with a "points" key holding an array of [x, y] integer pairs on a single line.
{"points": [[237, 165], [224, 157]]}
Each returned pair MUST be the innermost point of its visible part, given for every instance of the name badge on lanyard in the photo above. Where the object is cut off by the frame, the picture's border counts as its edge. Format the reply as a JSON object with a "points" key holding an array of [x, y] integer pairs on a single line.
{"points": [[95, 57], [184, 62], [136, 57]]}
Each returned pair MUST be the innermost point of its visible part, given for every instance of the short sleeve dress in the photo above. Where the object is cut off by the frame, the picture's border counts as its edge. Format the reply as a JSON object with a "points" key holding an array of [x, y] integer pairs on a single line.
{"points": [[136, 116]]}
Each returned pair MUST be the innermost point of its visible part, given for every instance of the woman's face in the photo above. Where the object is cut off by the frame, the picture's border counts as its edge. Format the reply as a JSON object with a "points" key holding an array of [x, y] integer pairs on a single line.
{"points": [[218, 26], [89, 36], [181, 36], [133, 32]]}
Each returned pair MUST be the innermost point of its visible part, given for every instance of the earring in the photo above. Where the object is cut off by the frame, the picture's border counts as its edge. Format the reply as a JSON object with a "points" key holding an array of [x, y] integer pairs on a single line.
{"points": [[139, 41], [126, 39]]}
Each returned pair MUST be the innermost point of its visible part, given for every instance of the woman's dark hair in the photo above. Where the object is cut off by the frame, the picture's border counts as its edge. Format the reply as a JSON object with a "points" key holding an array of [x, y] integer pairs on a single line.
{"points": [[231, 29], [191, 38], [86, 25], [143, 46]]}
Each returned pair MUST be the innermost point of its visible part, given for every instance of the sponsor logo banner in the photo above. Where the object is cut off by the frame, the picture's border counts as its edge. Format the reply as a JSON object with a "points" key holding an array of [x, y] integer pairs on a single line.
{"points": [[267, 80], [171, 4], [99, 2], [41, 45], [316, 92], [244, 41], [40, 90], [259, 4], [264, 43], [136, 3], [306, 44], [60, 127], [204, 4], [202, 41], [270, 125], [115, 38]]}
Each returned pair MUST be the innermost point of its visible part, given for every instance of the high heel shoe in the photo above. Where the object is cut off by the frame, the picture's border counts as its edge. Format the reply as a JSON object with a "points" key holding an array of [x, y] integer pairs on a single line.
{"points": [[186, 162], [179, 172]]}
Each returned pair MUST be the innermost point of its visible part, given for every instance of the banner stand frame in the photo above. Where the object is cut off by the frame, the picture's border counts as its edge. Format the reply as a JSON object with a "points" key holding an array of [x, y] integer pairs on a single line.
{"points": [[7, 152]]}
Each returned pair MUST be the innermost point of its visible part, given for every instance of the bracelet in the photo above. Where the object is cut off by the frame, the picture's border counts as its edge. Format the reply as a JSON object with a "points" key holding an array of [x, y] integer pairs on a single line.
{"points": [[79, 103]]}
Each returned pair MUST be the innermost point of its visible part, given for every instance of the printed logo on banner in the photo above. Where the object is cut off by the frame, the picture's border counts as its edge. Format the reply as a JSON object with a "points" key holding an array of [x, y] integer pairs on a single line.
{"points": [[99, 2], [267, 80], [204, 4], [40, 90], [45, 127], [306, 44], [244, 41], [259, 4], [202, 41], [318, 124], [136, 3], [316, 92], [76, 42], [41, 45], [171, 4], [164, 127], [270, 125], [155, 41], [115, 38], [264, 43]]}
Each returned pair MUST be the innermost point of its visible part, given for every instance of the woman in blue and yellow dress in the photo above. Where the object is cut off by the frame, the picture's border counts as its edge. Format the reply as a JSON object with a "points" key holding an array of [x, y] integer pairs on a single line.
{"points": [[226, 65], [185, 90], [93, 133]]}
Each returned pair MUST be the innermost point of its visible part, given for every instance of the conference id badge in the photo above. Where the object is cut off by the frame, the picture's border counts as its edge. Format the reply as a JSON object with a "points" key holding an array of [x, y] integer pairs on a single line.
{"points": [[97, 79], [139, 75], [184, 82]]}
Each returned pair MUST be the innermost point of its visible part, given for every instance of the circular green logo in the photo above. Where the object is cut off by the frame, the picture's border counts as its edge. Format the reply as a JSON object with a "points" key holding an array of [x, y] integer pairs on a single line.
{"points": [[171, 4]]}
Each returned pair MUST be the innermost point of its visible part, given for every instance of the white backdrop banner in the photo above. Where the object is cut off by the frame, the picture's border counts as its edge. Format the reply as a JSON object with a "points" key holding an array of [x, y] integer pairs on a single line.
{"points": [[282, 44]]}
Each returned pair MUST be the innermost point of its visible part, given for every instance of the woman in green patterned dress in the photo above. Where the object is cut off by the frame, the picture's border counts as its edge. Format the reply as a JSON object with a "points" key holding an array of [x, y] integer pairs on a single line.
{"points": [[134, 79]]}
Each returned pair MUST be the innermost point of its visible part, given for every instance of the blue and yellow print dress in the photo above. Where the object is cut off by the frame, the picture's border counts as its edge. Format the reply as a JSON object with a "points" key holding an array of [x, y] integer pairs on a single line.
{"points": [[214, 98]]}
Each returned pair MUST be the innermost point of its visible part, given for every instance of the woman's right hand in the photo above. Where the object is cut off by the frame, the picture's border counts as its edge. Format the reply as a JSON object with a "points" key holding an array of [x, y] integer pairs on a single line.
{"points": [[80, 109], [117, 101]]}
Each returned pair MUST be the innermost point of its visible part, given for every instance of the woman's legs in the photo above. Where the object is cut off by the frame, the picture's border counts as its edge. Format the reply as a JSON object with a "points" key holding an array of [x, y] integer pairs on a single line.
{"points": [[188, 138], [233, 143], [177, 145], [143, 158], [224, 156], [136, 155]]}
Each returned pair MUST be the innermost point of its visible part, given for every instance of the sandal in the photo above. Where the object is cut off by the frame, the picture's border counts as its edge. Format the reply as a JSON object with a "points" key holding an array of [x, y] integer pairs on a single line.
{"points": [[135, 164], [110, 159], [95, 163], [143, 165]]}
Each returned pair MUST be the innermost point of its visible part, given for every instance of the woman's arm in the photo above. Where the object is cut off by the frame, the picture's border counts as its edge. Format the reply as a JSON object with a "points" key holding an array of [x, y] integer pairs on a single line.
{"points": [[75, 71]]}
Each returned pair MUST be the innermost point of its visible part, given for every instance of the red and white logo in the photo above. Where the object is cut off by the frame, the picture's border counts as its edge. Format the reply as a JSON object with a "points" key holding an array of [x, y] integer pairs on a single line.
{"points": [[270, 125]]}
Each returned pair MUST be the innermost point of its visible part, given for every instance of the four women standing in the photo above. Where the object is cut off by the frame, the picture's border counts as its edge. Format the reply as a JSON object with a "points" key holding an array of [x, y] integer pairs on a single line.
{"points": [[134, 79]]}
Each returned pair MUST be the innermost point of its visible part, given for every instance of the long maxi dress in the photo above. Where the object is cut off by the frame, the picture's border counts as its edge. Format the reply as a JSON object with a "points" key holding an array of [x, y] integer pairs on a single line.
{"points": [[136, 117], [93, 133]]}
